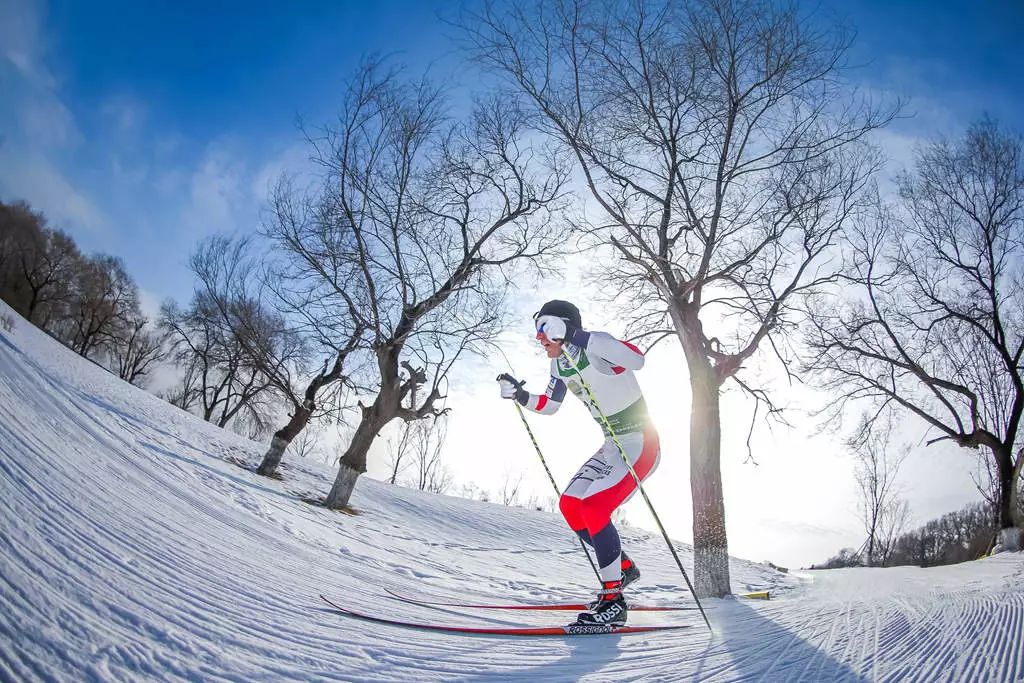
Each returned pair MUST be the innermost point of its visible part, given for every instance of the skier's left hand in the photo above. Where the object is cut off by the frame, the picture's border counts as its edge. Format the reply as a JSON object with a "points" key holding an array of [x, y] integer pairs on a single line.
{"points": [[555, 329]]}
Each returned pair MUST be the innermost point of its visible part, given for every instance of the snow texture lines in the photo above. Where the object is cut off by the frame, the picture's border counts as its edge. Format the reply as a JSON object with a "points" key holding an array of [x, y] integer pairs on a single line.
{"points": [[133, 549]]}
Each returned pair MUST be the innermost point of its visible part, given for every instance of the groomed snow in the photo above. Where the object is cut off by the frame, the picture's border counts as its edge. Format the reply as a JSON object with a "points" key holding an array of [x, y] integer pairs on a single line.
{"points": [[133, 548]]}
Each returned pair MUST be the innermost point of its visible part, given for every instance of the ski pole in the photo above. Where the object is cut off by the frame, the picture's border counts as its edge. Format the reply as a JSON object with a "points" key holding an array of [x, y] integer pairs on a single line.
{"points": [[639, 484], [551, 478]]}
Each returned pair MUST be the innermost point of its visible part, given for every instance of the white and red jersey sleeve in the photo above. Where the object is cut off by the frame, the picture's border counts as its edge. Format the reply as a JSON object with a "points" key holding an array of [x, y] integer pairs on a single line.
{"points": [[619, 354], [547, 403]]}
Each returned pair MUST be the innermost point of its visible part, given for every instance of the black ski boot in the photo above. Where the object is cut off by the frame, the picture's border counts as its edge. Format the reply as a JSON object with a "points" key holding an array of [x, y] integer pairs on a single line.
{"points": [[630, 572], [609, 609]]}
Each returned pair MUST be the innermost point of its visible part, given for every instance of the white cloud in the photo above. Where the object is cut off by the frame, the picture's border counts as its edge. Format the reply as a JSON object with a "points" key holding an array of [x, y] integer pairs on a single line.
{"points": [[40, 183], [46, 123], [21, 41], [149, 303], [39, 125], [31, 89], [125, 113], [292, 160], [218, 193]]}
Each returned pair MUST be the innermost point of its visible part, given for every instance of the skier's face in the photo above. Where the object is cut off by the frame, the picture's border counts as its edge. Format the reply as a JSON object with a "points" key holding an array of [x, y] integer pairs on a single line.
{"points": [[553, 349]]}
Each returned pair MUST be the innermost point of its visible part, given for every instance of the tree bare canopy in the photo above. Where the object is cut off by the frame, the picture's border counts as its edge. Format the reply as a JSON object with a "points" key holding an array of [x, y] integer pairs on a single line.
{"points": [[277, 333], [219, 379], [136, 350], [316, 285], [930, 317], [104, 302], [414, 230], [427, 440], [725, 155], [239, 356], [884, 513], [38, 265]]}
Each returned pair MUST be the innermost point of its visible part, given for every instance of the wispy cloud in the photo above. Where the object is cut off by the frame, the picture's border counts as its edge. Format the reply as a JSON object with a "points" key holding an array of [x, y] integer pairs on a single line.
{"points": [[39, 182], [124, 113], [21, 40], [218, 192], [38, 126]]}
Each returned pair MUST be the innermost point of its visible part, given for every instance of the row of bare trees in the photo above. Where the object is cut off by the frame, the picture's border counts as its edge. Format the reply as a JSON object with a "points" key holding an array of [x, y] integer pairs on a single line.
{"points": [[89, 303], [958, 536], [365, 286], [928, 316], [928, 323], [415, 456], [884, 512]]}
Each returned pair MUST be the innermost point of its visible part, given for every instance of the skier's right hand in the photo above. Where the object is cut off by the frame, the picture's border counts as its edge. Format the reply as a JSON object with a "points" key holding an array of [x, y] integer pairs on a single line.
{"points": [[510, 386]]}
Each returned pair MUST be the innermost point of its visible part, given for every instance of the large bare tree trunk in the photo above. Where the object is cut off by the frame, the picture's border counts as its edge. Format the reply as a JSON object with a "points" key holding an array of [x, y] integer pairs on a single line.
{"points": [[710, 545], [710, 542], [1010, 533], [353, 462], [300, 418], [1016, 490], [283, 437]]}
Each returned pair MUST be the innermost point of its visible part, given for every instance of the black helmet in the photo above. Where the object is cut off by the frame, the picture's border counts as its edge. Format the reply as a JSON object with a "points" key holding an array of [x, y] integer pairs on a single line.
{"points": [[561, 309]]}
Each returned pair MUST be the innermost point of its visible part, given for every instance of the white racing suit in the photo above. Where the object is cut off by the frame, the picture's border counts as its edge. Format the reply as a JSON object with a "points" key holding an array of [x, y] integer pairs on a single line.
{"points": [[604, 482]]}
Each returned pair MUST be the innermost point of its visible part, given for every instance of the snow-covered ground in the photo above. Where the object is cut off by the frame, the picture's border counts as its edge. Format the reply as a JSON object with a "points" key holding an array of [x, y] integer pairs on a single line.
{"points": [[132, 547]]}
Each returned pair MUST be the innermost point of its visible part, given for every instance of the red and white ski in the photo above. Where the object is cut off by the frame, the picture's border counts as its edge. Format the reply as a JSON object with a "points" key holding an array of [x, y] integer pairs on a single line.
{"points": [[567, 630], [545, 607]]}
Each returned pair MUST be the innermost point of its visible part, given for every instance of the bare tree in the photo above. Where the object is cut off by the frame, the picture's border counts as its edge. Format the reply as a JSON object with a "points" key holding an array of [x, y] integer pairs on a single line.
{"points": [[471, 491], [399, 450], [427, 440], [277, 342], [883, 512], [316, 286], [185, 394], [136, 349], [219, 380], [308, 443], [38, 265], [426, 220], [104, 302], [510, 485], [724, 156], [930, 319]]}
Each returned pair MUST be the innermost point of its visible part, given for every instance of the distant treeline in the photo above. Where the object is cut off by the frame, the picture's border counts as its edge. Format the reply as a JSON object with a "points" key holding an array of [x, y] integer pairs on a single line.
{"points": [[91, 304], [966, 534], [88, 302]]}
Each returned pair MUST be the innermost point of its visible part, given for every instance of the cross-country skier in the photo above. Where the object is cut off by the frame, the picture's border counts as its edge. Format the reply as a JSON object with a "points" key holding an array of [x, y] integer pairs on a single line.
{"points": [[603, 483]]}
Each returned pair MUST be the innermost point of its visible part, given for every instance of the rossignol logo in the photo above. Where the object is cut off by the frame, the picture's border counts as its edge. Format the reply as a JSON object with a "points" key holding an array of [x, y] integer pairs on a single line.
{"points": [[609, 614], [587, 629]]}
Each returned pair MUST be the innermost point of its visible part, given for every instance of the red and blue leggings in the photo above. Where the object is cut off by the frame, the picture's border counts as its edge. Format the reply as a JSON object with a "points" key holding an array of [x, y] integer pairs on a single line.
{"points": [[602, 484]]}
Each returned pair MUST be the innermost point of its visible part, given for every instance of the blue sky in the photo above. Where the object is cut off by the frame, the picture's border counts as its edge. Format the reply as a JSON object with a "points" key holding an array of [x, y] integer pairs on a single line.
{"points": [[142, 127]]}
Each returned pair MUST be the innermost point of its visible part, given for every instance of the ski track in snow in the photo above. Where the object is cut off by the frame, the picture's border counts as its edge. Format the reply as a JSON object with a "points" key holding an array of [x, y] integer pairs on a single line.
{"points": [[132, 549]]}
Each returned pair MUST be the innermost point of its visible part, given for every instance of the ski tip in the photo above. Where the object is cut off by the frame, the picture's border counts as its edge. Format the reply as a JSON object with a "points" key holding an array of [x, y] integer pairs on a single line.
{"points": [[756, 595]]}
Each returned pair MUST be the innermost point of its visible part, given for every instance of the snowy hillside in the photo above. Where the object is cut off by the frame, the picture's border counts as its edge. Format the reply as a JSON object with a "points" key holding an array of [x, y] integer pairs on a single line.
{"points": [[133, 548]]}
